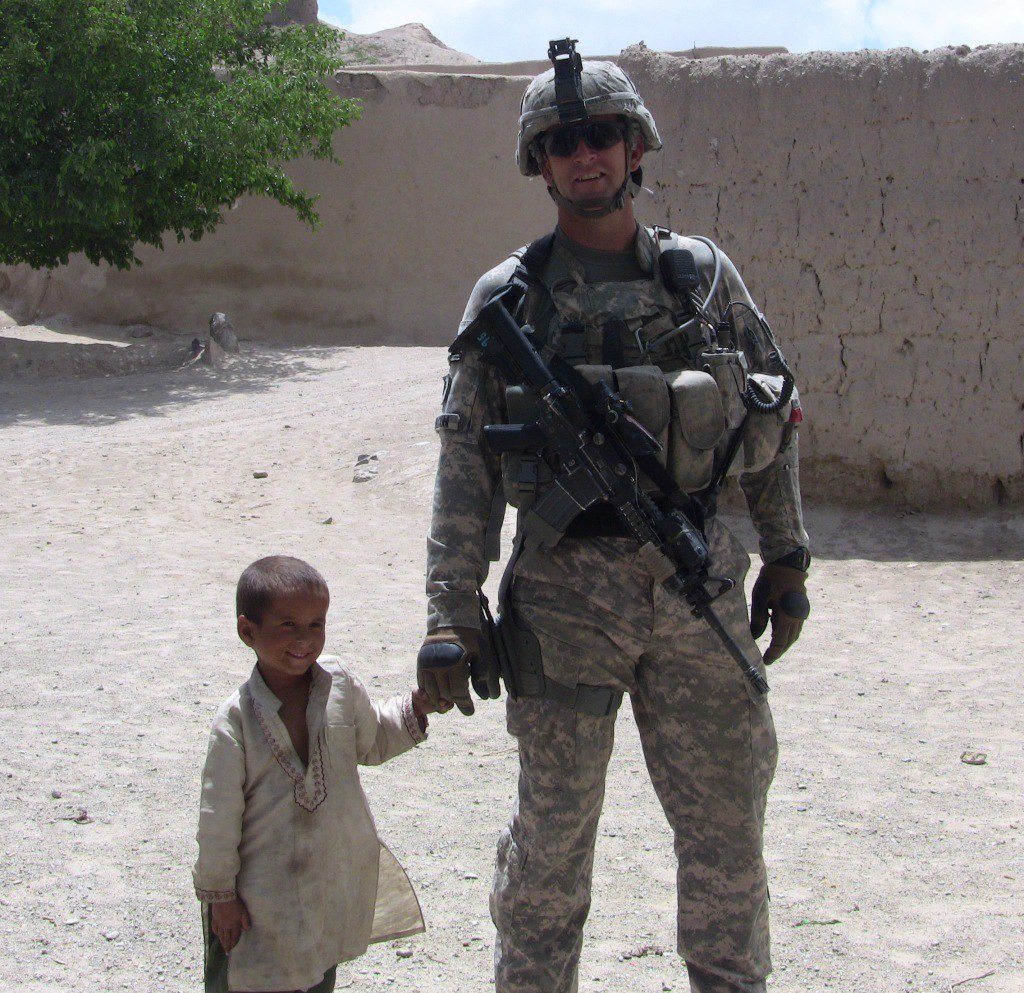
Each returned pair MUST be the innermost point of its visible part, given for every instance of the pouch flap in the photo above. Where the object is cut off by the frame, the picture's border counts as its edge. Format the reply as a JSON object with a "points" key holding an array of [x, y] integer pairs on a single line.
{"points": [[643, 386], [699, 412], [521, 404], [769, 388]]}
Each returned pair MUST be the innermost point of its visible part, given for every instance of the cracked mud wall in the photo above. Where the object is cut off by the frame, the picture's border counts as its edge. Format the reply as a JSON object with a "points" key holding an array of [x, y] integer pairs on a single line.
{"points": [[873, 202]]}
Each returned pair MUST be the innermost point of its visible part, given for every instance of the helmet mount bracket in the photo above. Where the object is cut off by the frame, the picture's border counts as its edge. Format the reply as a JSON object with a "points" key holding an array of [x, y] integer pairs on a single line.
{"points": [[568, 80]]}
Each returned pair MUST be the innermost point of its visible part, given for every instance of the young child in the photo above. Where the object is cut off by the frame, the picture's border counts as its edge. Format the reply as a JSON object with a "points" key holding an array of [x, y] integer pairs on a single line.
{"points": [[291, 873]]}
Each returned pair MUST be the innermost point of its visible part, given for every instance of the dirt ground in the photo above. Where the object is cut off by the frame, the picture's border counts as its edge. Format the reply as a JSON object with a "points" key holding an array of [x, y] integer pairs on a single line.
{"points": [[129, 508]]}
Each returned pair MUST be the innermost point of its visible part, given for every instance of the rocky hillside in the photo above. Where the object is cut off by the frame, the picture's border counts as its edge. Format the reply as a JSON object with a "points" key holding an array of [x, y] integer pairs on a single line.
{"points": [[409, 44]]}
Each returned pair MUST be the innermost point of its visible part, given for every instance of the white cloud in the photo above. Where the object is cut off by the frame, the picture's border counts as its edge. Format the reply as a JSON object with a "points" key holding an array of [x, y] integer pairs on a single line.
{"points": [[919, 24], [499, 30]]}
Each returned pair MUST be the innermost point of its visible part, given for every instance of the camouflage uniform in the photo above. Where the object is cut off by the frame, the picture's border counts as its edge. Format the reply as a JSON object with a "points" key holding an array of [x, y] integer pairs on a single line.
{"points": [[708, 738]]}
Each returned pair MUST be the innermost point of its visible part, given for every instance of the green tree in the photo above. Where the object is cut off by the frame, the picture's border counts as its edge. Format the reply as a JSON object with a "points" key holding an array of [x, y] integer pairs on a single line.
{"points": [[121, 120]]}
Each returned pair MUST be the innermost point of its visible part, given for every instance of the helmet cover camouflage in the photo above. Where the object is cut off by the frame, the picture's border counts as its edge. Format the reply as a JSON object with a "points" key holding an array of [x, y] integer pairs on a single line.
{"points": [[606, 90]]}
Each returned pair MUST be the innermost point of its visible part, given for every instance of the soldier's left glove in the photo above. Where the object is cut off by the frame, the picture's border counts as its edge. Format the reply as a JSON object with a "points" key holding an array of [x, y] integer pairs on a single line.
{"points": [[443, 666], [781, 593]]}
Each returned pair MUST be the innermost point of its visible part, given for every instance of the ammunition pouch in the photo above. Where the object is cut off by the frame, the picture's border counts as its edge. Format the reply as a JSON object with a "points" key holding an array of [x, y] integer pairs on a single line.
{"points": [[691, 414], [697, 425], [524, 475], [683, 411]]}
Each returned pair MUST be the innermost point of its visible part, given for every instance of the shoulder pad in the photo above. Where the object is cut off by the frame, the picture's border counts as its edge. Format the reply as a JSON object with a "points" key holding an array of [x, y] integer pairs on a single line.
{"points": [[667, 239], [485, 288]]}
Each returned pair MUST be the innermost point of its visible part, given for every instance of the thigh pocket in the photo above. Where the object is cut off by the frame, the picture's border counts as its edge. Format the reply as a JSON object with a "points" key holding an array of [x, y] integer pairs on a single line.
{"points": [[508, 880], [546, 732], [561, 749]]}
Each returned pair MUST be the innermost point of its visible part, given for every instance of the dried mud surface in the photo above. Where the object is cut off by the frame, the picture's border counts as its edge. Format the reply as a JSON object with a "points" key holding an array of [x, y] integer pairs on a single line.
{"points": [[130, 507]]}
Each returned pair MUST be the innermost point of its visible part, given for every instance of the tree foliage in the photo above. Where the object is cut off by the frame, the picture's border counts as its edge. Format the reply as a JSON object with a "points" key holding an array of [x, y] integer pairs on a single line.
{"points": [[121, 120]]}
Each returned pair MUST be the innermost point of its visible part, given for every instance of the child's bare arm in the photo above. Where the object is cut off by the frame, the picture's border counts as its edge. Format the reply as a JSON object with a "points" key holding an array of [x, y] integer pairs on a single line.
{"points": [[229, 919]]}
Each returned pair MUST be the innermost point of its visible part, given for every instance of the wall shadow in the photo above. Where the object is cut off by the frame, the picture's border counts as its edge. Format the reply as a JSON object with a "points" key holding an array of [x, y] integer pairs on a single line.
{"points": [[108, 400], [886, 535]]}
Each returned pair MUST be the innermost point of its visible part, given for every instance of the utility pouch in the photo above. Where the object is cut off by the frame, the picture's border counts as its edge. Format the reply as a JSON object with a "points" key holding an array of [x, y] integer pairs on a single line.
{"points": [[697, 425], [765, 434]]}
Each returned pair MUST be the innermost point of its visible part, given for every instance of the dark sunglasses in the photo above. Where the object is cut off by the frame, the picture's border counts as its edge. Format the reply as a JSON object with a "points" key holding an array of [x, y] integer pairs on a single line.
{"points": [[598, 135]]}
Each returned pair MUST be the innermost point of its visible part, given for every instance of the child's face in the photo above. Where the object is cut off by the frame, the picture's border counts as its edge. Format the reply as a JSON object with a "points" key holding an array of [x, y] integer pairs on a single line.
{"points": [[291, 635]]}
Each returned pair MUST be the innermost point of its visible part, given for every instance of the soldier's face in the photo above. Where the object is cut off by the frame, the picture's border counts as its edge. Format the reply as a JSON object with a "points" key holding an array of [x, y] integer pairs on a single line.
{"points": [[591, 174]]}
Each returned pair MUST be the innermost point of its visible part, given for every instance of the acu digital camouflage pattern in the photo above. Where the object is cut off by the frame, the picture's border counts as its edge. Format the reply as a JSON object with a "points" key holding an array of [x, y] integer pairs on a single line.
{"points": [[468, 473], [607, 89], [709, 744], [708, 740]]}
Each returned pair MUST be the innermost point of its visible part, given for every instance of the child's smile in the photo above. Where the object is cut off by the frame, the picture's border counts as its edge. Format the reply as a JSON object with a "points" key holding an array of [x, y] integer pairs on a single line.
{"points": [[290, 637]]}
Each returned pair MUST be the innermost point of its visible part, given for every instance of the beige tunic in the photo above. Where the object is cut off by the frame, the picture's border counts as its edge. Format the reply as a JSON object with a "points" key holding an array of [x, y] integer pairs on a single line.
{"points": [[298, 845]]}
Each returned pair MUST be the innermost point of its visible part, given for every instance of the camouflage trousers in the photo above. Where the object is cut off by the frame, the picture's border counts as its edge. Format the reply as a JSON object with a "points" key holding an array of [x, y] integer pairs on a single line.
{"points": [[708, 741]]}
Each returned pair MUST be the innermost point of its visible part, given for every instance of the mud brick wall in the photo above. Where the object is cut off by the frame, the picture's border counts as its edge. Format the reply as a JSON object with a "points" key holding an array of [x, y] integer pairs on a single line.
{"points": [[872, 201]]}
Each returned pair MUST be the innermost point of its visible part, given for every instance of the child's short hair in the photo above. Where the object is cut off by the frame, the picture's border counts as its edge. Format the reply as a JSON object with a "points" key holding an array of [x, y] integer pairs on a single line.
{"points": [[272, 577]]}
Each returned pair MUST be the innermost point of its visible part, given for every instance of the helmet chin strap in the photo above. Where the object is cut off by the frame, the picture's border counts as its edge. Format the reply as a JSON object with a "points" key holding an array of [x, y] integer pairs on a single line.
{"points": [[601, 206], [594, 207]]}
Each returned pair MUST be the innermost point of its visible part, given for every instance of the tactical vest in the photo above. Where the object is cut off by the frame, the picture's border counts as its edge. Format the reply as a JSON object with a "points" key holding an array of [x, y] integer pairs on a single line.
{"points": [[688, 398]]}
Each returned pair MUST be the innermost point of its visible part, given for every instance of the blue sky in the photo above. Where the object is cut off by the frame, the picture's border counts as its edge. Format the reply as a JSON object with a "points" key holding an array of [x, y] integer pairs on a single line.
{"points": [[504, 30]]}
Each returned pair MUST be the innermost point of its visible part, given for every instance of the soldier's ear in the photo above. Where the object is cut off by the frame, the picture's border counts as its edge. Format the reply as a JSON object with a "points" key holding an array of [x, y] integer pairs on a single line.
{"points": [[636, 152]]}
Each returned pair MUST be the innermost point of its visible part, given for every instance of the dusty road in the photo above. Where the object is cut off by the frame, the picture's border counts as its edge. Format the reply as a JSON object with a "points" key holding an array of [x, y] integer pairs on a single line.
{"points": [[128, 509]]}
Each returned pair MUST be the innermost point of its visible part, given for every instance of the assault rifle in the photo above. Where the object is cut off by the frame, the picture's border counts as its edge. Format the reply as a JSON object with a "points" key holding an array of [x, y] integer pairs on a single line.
{"points": [[599, 448]]}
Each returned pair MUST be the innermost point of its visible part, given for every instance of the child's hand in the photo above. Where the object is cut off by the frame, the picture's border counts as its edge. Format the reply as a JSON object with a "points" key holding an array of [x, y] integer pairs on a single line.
{"points": [[422, 706], [230, 919]]}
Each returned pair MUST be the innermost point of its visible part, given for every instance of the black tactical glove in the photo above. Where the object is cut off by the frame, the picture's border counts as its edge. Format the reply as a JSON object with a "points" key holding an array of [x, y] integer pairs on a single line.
{"points": [[443, 666], [780, 591]]}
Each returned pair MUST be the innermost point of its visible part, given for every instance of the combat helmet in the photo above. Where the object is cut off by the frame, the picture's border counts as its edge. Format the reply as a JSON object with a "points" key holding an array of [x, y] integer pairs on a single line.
{"points": [[572, 91]]}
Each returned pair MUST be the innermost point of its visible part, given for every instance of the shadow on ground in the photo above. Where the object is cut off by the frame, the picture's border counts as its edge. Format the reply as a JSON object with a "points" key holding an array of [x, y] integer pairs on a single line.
{"points": [[885, 535], [107, 400]]}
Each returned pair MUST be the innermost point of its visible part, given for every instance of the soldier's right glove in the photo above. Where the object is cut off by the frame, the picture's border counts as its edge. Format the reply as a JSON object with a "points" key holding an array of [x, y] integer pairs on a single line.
{"points": [[443, 664], [781, 591]]}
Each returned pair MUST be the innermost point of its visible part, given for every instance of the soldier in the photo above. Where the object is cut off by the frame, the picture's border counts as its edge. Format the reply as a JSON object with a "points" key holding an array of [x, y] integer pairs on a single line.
{"points": [[599, 624]]}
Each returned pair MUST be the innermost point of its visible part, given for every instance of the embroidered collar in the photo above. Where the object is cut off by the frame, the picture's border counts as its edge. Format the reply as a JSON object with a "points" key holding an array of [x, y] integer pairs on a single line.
{"points": [[310, 787]]}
